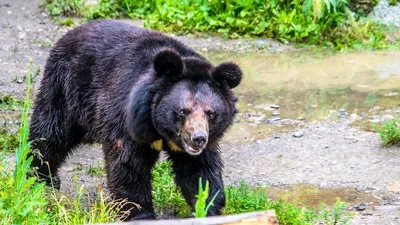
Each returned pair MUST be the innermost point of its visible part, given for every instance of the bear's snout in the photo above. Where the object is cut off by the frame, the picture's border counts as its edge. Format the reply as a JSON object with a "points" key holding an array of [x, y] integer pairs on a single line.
{"points": [[199, 139], [195, 133]]}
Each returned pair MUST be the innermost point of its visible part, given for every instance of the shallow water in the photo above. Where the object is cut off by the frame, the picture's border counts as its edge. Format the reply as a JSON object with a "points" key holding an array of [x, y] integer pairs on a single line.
{"points": [[312, 196], [311, 86]]}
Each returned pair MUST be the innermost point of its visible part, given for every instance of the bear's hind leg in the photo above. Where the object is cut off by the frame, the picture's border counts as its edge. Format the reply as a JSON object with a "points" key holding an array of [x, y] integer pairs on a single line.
{"points": [[52, 137], [49, 151]]}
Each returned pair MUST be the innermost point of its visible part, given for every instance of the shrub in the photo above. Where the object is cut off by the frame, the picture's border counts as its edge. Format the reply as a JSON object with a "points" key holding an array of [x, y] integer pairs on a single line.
{"points": [[389, 132]]}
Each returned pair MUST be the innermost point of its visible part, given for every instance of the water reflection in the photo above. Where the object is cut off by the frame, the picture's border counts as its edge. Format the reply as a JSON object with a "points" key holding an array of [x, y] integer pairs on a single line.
{"points": [[312, 86]]}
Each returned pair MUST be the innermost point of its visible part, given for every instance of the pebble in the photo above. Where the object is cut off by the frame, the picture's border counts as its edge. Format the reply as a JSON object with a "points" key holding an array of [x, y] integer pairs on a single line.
{"points": [[361, 207], [275, 106], [21, 35], [259, 44], [273, 120], [298, 134], [387, 117]]}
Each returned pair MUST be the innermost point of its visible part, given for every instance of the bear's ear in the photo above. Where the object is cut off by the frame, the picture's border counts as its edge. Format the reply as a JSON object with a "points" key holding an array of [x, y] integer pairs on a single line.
{"points": [[228, 73], [168, 62]]}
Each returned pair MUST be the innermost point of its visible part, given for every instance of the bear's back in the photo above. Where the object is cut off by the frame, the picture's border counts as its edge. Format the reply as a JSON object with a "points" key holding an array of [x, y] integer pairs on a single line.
{"points": [[101, 36]]}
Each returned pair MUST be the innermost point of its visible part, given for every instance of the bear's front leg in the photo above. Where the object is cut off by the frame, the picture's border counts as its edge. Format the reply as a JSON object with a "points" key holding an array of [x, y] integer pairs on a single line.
{"points": [[128, 166], [188, 169]]}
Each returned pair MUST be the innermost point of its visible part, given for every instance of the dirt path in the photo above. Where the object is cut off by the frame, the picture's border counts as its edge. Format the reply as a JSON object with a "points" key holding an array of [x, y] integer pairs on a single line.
{"points": [[329, 155]]}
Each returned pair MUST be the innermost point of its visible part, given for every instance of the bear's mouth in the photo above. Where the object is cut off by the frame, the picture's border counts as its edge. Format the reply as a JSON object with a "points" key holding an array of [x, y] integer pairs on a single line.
{"points": [[191, 149]]}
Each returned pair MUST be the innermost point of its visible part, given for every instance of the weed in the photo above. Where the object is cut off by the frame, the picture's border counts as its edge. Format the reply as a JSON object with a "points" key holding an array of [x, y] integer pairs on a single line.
{"points": [[68, 22], [84, 209], [65, 7], [43, 42], [33, 75], [337, 215], [389, 132], [7, 102], [97, 171], [8, 141], [201, 208], [16, 206]]}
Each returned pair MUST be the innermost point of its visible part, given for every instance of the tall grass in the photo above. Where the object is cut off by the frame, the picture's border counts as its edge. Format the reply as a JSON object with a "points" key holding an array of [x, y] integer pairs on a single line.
{"points": [[22, 201]]}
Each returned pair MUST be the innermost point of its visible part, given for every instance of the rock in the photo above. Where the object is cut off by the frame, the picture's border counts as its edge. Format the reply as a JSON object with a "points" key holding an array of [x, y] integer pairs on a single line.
{"points": [[387, 118], [21, 35], [260, 44], [366, 213], [263, 107], [273, 120], [298, 134], [275, 106], [275, 114], [361, 207]]}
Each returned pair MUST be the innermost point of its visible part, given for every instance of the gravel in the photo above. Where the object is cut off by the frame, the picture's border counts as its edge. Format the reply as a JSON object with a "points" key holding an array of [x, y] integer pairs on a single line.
{"points": [[386, 14]]}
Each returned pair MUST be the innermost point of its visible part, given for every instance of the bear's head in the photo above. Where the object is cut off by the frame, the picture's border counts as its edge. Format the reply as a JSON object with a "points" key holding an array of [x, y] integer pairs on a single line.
{"points": [[193, 105]]}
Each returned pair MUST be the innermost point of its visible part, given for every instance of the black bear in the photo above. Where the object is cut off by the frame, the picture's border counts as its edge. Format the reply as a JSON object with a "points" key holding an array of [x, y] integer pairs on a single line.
{"points": [[136, 92]]}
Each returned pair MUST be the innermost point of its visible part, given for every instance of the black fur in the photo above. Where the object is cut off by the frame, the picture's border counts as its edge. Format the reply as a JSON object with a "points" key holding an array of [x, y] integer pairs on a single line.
{"points": [[118, 85]]}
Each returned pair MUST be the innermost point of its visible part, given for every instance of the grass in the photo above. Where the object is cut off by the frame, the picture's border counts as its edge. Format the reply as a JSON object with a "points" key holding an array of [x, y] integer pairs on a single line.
{"points": [[389, 132], [16, 206], [324, 23], [8, 102], [8, 141], [167, 197], [241, 199], [97, 170]]}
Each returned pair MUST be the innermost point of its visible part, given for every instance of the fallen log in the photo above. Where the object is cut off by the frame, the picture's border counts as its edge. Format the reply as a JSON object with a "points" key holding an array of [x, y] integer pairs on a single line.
{"points": [[253, 218]]}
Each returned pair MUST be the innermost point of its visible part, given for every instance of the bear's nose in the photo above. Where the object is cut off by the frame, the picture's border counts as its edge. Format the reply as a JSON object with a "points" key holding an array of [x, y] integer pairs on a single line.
{"points": [[199, 139]]}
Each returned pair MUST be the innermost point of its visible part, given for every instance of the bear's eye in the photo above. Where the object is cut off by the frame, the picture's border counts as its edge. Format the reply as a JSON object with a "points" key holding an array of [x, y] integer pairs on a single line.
{"points": [[210, 114], [184, 113]]}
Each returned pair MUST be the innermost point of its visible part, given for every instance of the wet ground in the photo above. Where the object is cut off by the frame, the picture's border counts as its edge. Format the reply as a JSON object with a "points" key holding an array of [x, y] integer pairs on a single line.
{"points": [[303, 126]]}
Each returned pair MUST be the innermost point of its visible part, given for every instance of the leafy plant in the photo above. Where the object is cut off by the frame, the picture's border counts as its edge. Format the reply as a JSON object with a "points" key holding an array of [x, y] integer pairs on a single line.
{"points": [[8, 141], [7, 102], [201, 208], [317, 22], [389, 132], [16, 206], [337, 215], [98, 171], [393, 2], [65, 7]]}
